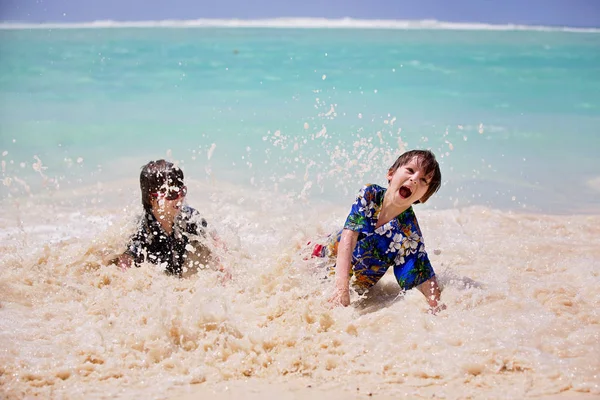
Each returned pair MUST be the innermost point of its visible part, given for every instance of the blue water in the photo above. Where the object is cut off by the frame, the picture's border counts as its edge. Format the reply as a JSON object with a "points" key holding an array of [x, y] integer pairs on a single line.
{"points": [[513, 115]]}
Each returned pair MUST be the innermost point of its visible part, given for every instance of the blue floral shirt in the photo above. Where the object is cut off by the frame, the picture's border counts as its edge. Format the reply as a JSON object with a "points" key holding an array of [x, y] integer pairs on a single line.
{"points": [[398, 243]]}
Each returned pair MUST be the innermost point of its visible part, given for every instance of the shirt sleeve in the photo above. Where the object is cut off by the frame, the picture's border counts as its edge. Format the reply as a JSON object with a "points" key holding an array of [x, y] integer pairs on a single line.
{"points": [[195, 224], [412, 266], [361, 213]]}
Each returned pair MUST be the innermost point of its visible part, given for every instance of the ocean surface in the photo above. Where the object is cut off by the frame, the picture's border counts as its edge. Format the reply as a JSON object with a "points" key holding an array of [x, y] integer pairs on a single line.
{"points": [[276, 129]]}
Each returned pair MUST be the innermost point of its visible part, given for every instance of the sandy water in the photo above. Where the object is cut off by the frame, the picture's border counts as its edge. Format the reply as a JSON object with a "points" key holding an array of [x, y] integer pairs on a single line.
{"points": [[521, 290]]}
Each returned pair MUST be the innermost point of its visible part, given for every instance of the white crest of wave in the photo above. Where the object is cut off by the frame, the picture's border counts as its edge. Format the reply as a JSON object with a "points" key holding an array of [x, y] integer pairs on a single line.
{"points": [[297, 23]]}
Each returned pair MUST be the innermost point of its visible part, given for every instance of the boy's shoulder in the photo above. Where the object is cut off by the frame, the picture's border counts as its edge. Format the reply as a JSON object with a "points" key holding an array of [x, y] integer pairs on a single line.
{"points": [[408, 217], [372, 192], [374, 186], [188, 211], [192, 216]]}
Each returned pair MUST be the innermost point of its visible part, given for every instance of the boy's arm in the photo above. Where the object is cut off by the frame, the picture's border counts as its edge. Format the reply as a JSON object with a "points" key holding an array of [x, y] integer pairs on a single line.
{"points": [[219, 245], [357, 220], [199, 226], [134, 253], [343, 265]]}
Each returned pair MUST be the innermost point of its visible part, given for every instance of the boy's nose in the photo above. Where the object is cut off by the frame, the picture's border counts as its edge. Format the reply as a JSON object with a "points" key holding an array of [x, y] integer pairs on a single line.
{"points": [[416, 176]]}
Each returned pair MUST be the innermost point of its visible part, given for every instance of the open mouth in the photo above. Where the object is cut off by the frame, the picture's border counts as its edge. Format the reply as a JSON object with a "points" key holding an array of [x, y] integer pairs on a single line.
{"points": [[404, 192]]}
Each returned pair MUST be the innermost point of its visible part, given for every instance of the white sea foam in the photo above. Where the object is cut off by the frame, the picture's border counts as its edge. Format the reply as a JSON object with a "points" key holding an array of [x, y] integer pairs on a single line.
{"points": [[70, 326], [298, 23]]}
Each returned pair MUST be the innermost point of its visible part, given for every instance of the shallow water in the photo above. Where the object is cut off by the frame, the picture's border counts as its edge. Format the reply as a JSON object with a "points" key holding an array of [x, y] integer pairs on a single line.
{"points": [[512, 115]]}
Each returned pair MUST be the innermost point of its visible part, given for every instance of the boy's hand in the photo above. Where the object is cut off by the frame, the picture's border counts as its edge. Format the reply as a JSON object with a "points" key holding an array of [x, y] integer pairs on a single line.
{"points": [[225, 274], [340, 297], [124, 262], [343, 268], [437, 309]]}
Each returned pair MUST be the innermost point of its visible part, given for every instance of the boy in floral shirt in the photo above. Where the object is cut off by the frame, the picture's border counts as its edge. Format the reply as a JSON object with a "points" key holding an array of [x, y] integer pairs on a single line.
{"points": [[382, 231]]}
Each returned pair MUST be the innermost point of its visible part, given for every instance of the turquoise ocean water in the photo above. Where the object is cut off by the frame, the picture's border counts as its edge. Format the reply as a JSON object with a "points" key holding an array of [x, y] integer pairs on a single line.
{"points": [[512, 115]]}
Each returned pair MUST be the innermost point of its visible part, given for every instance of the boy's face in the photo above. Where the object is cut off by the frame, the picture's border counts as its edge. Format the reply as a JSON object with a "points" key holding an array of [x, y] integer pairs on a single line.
{"points": [[167, 203], [408, 183]]}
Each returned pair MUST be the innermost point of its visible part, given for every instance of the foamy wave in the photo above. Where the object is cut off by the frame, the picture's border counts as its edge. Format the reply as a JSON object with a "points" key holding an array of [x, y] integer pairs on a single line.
{"points": [[297, 23], [73, 326]]}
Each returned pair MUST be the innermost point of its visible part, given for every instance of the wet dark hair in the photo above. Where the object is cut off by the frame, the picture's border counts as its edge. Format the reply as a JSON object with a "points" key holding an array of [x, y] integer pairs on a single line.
{"points": [[156, 176], [426, 160]]}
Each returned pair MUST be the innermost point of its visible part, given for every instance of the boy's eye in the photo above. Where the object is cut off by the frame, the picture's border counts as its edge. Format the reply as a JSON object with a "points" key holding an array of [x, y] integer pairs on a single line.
{"points": [[409, 170]]}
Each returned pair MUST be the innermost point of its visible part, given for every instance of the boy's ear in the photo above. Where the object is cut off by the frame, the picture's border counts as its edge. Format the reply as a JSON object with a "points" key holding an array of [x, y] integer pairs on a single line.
{"points": [[389, 175]]}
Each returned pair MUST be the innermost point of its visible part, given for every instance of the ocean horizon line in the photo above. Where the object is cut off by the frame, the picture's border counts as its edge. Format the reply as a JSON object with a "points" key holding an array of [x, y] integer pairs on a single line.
{"points": [[298, 23]]}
